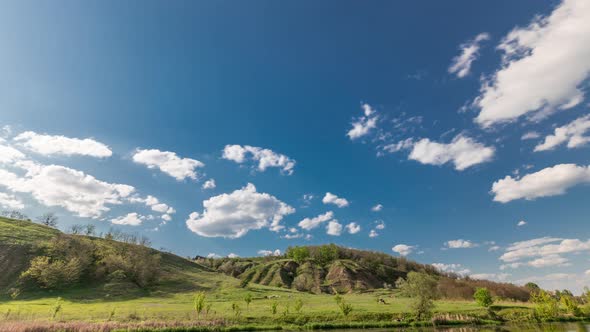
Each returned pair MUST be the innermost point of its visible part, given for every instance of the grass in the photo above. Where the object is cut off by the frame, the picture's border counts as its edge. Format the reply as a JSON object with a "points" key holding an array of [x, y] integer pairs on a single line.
{"points": [[169, 305]]}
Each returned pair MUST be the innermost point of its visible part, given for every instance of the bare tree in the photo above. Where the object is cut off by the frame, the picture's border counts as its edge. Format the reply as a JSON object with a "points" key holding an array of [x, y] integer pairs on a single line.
{"points": [[76, 229], [89, 230], [48, 219], [14, 215]]}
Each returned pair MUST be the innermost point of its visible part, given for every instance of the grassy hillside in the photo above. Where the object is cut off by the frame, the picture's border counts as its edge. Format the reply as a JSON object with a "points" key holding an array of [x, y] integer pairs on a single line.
{"points": [[21, 241], [106, 301], [330, 269]]}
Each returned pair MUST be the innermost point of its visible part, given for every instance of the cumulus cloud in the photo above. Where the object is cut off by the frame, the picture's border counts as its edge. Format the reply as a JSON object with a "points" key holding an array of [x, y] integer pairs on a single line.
{"points": [[353, 228], [232, 255], [460, 244], [334, 228], [131, 219], [60, 145], [461, 64], [11, 202], [463, 152], [209, 184], [530, 135], [521, 223], [276, 252], [153, 203], [377, 208], [545, 251], [373, 233], [403, 249], [330, 198], [311, 223], [363, 125], [380, 224], [550, 181], [452, 268], [544, 65], [265, 157], [169, 163], [9, 154], [235, 214], [77, 192], [573, 134]]}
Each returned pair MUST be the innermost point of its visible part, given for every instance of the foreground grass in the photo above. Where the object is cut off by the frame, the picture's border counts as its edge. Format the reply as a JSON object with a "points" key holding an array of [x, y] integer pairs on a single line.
{"points": [[162, 310]]}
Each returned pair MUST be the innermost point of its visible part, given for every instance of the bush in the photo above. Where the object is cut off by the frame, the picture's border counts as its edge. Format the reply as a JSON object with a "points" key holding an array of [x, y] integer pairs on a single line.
{"points": [[547, 307], [483, 297]]}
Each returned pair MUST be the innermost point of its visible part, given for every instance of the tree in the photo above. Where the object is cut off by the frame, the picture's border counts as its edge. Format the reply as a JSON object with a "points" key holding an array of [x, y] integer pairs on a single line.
{"points": [[298, 254], [89, 229], [569, 301], [532, 287], [48, 219], [199, 303], [483, 297], [14, 214], [547, 306], [248, 299], [421, 287], [327, 254], [76, 229]]}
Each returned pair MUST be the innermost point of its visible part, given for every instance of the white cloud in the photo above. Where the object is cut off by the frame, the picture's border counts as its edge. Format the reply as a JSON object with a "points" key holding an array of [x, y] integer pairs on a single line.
{"points": [[405, 144], [276, 252], [549, 181], [363, 125], [380, 224], [209, 184], [60, 145], [131, 219], [572, 133], [330, 198], [461, 64], [530, 135], [521, 223], [10, 155], [403, 249], [11, 202], [71, 189], [587, 272], [311, 223], [353, 228], [490, 276], [494, 248], [166, 217], [169, 163], [154, 204], [452, 268], [460, 243], [373, 233], [232, 255], [213, 255], [377, 208], [547, 248], [334, 228], [233, 215], [463, 152], [543, 67], [266, 158]]}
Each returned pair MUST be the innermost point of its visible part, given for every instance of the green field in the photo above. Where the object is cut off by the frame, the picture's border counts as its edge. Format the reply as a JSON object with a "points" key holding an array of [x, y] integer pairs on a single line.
{"points": [[170, 301]]}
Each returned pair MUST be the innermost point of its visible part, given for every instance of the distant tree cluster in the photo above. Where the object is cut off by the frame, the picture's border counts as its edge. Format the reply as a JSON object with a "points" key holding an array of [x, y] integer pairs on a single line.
{"points": [[14, 214]]}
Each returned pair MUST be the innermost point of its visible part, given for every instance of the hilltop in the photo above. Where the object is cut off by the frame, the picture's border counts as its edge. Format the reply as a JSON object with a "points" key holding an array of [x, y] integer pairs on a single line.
{"points": [[332, 269]]}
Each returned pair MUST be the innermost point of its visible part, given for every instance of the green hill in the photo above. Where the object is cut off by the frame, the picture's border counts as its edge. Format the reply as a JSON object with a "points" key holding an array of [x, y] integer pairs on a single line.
{"points": [[103, 267], [331, 269], [38, 260]]}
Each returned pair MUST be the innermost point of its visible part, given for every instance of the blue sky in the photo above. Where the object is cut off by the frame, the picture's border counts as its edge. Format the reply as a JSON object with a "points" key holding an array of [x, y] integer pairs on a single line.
{"points": [[470, 117]]}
